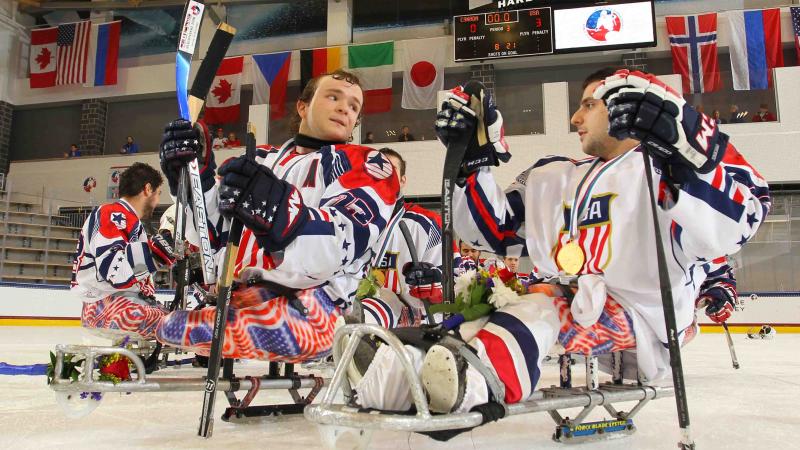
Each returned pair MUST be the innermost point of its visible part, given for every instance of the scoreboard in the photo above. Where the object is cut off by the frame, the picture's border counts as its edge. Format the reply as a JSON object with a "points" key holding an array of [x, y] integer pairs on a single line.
{"points": [[504, 34]]}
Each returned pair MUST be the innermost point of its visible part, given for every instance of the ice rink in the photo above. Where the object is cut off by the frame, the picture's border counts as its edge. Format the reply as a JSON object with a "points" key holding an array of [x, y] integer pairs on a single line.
{"points": [[754, 407]]}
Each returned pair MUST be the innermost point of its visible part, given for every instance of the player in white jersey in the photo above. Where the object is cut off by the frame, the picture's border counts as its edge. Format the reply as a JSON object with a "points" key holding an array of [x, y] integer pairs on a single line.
{"points": [[313, 212], [567, 216], [115, 260]]}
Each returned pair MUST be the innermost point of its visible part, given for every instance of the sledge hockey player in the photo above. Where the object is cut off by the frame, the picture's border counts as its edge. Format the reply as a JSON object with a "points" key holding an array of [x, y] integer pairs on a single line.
{"points": [[313, 211], [567, 215], [406, 286], [112, 272]]}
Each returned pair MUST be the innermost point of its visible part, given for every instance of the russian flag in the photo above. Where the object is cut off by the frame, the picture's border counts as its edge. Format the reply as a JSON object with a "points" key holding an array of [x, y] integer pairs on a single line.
{"points": [[104, 54], [755, 47], [270, 76]]}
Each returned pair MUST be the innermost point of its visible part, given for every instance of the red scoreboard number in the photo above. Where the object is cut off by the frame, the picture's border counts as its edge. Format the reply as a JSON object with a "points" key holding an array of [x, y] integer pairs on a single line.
{"points": [[503, 34]]}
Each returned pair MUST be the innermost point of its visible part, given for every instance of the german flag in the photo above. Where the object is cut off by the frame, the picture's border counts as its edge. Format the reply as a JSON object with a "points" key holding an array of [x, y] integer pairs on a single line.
{"points": [[318, 61]]}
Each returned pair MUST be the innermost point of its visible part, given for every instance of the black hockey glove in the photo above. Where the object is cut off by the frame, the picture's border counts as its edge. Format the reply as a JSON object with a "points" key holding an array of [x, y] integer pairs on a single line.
{"points": [[181, 144], [642, 107], [482, 125], [424, 281], [270, 207]]}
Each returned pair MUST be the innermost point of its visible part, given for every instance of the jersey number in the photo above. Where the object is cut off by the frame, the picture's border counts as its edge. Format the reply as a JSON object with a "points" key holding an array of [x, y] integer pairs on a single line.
{"points": [[359, 209]]}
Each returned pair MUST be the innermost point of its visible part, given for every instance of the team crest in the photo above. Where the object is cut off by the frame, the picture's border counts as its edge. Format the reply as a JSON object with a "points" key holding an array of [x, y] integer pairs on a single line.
{"points": [[377, 165], [594, 233]]}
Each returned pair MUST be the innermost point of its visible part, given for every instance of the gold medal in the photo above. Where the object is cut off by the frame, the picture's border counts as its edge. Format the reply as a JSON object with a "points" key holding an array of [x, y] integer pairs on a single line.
{"points": [[571, 258]]}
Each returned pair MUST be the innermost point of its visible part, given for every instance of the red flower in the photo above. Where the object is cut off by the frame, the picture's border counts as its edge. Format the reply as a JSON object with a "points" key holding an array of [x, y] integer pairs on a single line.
{"points": [[115, 368], [506, 275]]}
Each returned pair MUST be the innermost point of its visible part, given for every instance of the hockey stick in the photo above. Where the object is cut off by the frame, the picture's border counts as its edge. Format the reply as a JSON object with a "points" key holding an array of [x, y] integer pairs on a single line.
{"points": [[412, 250], [223, 304], [452, 166], [681, 402], [734, 359]]}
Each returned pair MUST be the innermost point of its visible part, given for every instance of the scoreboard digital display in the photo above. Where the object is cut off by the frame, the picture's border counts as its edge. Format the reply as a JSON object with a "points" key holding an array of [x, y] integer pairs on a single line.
{"points": [[503, 34]]}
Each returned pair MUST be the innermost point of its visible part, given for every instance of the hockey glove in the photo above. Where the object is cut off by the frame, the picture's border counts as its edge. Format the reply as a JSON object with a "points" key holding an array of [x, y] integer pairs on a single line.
{"points": [[719, 305], [424, 281], [465, 265], [161, 250], [182, 143], [270, 207], [642, 107], [482, 127]]}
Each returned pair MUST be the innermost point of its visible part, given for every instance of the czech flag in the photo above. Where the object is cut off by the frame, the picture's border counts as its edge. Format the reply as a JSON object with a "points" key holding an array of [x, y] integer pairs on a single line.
{"points": [[755, 47], [103, 54], [270, 74]]}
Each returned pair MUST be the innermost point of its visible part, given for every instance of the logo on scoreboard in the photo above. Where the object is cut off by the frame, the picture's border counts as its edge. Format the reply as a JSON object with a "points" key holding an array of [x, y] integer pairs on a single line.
{"points": [[601, 22]]}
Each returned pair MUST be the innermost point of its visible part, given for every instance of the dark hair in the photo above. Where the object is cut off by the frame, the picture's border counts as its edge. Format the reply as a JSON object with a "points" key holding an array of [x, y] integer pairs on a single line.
{"points": [[311, 88], [136, 177], [391, 152], [73, 145], [600, 75]]}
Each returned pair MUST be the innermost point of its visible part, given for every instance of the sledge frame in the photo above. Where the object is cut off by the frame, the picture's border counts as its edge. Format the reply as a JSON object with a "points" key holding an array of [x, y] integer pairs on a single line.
{"points": [[550, 400], [141, 382]]}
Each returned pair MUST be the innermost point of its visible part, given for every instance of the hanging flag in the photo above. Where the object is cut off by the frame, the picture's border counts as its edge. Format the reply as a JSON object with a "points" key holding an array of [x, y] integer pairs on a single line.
{"points": [[270, 74], [373, 63], [43, 57], [795, 10], [73, 52], [693, 41], [318, 61], [103, 54], [423, 74], [755, 47], [222, 106]]}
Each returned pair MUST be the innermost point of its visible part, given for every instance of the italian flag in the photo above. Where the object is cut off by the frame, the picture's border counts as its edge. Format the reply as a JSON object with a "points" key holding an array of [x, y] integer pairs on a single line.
{"points": [[373, 63]]}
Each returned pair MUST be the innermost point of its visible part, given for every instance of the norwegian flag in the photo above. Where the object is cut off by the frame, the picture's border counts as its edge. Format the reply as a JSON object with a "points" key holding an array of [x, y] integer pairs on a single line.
{"points": [[693, 40], [73, 52], [796, 28]]}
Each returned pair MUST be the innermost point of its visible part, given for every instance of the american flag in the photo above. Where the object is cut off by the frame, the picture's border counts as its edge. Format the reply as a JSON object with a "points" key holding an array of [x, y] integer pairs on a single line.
{"points": [[73, 52], [796, 27]]}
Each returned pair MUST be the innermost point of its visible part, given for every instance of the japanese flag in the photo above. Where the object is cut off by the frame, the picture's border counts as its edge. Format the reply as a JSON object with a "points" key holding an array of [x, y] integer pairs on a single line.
{"points": [[222, 103], [423, 73]]}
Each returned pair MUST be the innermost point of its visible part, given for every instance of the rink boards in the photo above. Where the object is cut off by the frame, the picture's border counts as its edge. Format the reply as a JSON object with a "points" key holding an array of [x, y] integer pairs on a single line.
{"points": [[53, 305]]}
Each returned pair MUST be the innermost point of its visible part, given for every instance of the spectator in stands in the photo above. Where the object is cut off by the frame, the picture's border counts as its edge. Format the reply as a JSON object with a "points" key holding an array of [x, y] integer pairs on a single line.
{"points": [[717, 117], [763, 114], [129, 147], [233, 141], [220, 140], [736, 115], [370, 138], [74, 151], [699, 108], [405, 135]]}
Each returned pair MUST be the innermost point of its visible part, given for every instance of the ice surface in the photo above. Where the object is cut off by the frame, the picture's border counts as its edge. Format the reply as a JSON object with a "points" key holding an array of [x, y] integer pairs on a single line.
{"points": [[754, 407]]}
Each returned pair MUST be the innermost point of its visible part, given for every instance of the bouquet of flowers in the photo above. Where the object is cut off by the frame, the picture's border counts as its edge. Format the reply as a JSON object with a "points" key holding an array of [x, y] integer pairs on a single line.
{"points": [[478, 292]]}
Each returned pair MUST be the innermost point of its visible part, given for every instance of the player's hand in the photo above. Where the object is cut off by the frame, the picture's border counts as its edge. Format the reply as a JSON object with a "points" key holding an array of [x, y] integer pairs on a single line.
{"points": [[271, 208], [474, 121], [642, 107], [161, 250], [182, 143], [718, 305], [465, 265], [424, 281]]}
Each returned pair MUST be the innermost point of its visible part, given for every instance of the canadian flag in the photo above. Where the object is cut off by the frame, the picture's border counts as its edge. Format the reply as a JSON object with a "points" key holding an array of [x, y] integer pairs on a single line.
{"points": [[222, 103], [423, 73], [43, 57]]}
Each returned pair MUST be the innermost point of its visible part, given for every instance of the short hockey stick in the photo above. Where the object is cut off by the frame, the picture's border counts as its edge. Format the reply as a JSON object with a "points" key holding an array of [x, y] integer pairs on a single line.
{"points": [[678, 382]]}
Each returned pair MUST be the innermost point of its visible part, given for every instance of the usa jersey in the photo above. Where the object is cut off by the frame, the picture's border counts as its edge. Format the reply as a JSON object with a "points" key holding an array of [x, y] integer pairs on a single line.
{"points": [[426, 238], [350, 192], [113, 256], [709, 216]]}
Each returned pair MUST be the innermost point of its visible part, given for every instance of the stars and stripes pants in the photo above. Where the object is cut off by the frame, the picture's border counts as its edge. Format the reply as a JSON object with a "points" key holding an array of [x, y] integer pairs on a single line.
{"points": [[117, 316], [261, 325]]}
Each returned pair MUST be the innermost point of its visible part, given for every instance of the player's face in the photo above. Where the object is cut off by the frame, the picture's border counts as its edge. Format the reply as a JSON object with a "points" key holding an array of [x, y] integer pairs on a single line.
{"points": [[591, 120], [333, 111], [469, 252], [396, 163], [152, 197], [512, 264]]}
